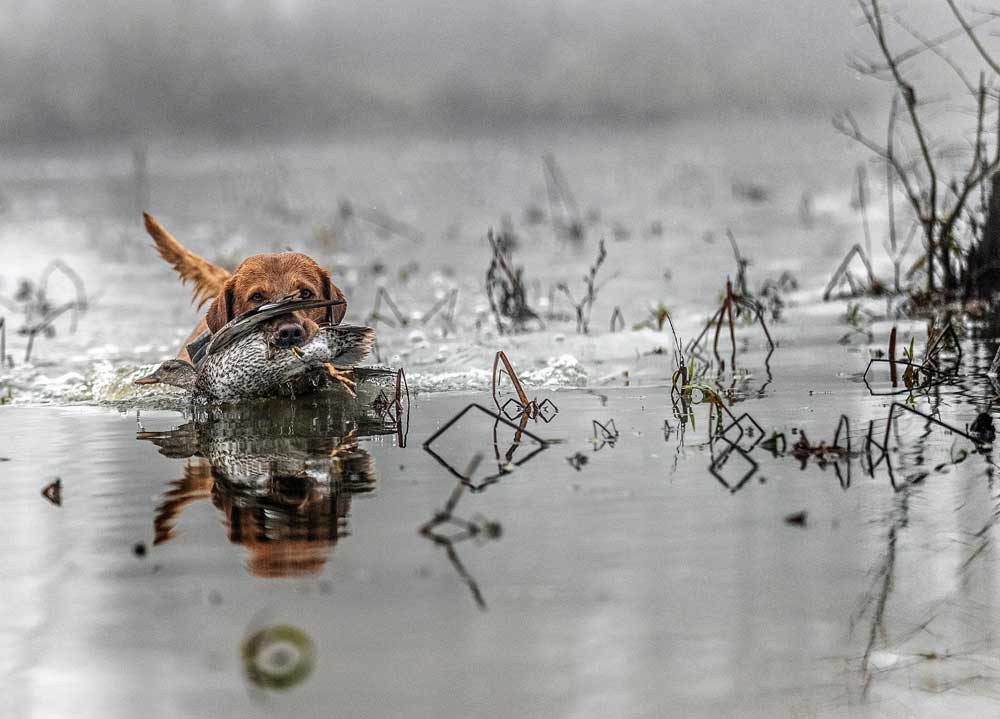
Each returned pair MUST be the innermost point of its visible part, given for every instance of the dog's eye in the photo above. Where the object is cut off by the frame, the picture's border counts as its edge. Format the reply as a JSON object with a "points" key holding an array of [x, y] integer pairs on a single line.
{"points": [[305, 294], [257, 298]]}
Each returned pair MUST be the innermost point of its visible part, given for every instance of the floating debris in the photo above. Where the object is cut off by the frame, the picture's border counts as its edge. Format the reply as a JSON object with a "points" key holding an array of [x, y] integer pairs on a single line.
{"points": [[578, 461], [797, 519], [278, 657], [53, 492], [776, 444]]}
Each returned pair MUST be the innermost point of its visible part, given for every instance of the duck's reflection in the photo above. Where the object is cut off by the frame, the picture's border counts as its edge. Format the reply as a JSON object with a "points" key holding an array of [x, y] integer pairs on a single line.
{"points": [[282, 481]]}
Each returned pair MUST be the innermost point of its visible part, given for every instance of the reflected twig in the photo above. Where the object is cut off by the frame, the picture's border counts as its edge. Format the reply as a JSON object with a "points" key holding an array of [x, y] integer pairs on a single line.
{"points": [[478, 530], [503, 467]]}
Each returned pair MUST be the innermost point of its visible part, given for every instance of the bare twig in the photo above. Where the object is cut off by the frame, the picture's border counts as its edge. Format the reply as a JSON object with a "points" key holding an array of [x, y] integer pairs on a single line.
{"points": [[586, 303], [994, 65]]}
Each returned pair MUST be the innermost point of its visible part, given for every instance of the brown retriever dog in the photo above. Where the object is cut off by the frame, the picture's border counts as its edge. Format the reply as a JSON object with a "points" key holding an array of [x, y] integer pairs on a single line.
{"points": [[258, 280]]}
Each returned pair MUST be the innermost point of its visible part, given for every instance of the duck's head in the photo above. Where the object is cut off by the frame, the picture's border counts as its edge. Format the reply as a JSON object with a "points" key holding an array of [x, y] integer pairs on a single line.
{"points": [[173, 372]]}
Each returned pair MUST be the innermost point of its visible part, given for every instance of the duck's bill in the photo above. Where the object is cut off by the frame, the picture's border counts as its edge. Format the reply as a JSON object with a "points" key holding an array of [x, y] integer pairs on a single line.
{"points": [[148, 379]]}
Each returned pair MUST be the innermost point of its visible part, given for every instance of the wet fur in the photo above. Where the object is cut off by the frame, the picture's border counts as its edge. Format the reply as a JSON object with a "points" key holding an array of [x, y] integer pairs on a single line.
{"points": [[274, 275]]}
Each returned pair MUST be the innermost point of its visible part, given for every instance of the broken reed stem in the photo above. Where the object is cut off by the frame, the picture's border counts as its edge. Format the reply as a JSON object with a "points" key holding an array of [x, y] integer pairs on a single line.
{"points": [[842, 271], [522, 397], [741, 266], [732, 325], [381, 294], [401, 385], [725, 310], [617, 315], [892, 356], [863, 207], [448, 300]]}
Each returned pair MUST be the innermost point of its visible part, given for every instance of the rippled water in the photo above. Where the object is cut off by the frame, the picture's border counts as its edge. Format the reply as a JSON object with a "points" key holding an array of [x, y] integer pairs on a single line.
{"points": [[637, 585], [313, 557]]}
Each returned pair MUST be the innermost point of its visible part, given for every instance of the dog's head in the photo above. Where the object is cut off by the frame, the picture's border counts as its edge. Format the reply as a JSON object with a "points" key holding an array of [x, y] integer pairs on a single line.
{"points": [[263, 279]]}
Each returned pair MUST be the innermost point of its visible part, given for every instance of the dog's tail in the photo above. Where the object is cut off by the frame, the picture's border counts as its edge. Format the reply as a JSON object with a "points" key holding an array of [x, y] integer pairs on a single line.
{"points": [[206, 277]]}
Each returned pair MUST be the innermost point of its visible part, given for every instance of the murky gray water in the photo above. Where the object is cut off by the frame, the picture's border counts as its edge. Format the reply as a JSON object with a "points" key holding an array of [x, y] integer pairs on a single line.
{"points": [[272, 560], [638, 585]]}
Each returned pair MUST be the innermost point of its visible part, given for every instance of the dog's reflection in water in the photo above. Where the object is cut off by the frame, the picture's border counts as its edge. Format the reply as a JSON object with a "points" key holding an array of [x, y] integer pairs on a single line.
{"points": [[284, 497]]}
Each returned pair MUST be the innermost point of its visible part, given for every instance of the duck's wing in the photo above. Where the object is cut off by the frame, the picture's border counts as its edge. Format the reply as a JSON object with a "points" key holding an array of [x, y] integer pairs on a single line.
{"points": [[249, 321], [349, 344]]}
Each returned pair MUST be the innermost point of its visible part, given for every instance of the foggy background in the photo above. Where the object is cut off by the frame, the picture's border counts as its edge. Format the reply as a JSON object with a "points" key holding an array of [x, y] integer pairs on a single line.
{"points": [[116, 70]]}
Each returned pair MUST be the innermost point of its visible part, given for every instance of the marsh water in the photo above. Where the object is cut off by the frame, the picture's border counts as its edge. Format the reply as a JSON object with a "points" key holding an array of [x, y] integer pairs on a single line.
{"points": [[314, 557]]}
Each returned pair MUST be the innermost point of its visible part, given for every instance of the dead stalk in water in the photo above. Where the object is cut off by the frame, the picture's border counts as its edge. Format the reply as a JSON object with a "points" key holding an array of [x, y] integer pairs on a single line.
{"points": [[505, 289], [892, 356], [382, 295], [591, 288], [725, 315], [533, 409], [449, 300], [617, 316]]}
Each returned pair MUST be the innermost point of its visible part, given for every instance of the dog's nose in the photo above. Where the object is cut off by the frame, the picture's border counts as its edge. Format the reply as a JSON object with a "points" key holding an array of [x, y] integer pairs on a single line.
{"points": [[289, 334]]}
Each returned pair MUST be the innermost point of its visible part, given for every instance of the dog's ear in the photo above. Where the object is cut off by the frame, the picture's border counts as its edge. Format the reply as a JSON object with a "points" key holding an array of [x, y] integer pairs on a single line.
{"points": [[335, 313], [221, 310]]}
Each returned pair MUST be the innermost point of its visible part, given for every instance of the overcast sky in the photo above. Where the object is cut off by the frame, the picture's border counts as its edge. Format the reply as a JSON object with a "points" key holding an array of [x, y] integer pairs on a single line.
{"points": [[72, 69]]}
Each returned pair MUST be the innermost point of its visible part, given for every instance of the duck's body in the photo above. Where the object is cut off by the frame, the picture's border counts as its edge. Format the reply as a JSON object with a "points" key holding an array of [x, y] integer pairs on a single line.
{"points": [[250, 367]]}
